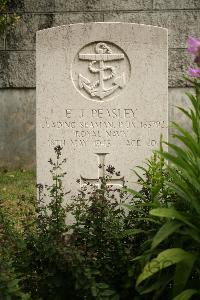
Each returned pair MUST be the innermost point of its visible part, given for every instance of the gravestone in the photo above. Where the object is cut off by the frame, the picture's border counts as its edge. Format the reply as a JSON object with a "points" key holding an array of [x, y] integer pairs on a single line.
{"points": [[102, 96]]}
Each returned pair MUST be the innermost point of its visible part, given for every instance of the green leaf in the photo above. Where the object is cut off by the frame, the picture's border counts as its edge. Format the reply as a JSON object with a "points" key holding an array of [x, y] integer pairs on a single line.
{"points": [[134, 193], [164, 259], [94, 291], [194, 234], [171, 213], [158, 285], [182, 274], [186, 295], [182, 165], [187, 139], [108, 293], [185, 193], [166, 230], [139, 206], [184, 111], [140, 257]]}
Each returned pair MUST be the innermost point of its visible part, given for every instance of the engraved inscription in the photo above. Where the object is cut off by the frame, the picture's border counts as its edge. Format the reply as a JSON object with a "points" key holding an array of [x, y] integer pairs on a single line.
{"points": [[104, 128], [101, 174], [101, 69]]}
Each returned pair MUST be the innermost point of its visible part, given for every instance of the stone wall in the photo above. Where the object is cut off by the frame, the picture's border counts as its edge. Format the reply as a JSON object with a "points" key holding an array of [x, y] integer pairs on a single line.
{"points": [[17, 57]]}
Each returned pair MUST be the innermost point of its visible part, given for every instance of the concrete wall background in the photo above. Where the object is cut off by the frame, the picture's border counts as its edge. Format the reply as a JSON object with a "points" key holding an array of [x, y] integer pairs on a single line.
{"points": [[17, 58]]}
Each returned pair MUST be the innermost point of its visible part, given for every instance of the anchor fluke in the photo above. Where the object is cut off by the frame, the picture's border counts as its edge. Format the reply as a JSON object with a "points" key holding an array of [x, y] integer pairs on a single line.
{"points": [[120, 81], [82, 81]]}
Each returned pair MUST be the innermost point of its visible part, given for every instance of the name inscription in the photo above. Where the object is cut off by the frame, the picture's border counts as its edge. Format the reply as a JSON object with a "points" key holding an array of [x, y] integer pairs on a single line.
{"points": [[103, 128]]}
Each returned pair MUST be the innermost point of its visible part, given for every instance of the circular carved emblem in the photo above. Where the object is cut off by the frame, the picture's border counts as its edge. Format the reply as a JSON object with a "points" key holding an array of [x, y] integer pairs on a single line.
{"points": [[100, 71]]}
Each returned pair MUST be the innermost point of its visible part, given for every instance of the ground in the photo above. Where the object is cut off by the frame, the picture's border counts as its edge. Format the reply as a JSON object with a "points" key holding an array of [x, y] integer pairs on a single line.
{"points": [[16, 184], [17, 193]]}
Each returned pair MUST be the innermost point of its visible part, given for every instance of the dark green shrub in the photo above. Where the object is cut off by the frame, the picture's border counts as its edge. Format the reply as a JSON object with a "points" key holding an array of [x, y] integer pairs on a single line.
{"points": [[43, 260], [37, 260], [10, 285], [98, 249]]}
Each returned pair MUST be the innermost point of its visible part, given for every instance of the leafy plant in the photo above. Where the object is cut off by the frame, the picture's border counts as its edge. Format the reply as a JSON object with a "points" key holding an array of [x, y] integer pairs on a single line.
{"points": [[36, 263], [109, 244], [10, 287], [6, 19], [177, 242], [99, 250], [42, 260]]}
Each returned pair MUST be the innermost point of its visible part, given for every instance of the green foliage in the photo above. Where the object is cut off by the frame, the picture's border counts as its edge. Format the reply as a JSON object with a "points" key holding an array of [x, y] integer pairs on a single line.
{"points": [[107, 238], [164, 260], [42, 259], [17, 195], [37, 261], [176, 245], [154, 193], [9, 281], [93, 257], [6, 19], [99, 251], [186, 295], [17, 184]]}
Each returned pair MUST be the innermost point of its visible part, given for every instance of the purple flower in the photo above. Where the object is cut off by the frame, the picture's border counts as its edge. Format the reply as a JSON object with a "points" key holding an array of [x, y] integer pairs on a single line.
{"points": [[194, 49], [194, 46], [194, 72]]}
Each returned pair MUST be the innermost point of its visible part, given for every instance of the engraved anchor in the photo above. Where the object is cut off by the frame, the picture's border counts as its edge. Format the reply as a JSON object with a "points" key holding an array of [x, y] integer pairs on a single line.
{"points": [[102, 55]]}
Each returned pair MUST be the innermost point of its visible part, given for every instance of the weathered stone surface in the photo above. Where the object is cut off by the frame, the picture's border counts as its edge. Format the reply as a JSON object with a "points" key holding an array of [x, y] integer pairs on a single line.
{"points": [[99, 5], [180, 4], [78, 5], [17, 128], [22, 35], [126, 5], [32, 5], [17, 69], [2, 42], [178, 98], [94, 5], [101, 87], [179, 61], [70, 18], [180, 24]]}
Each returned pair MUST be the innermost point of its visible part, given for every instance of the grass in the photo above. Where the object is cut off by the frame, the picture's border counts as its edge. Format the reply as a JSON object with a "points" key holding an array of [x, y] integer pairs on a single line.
{"points": [[17, 184], [17, 194]]}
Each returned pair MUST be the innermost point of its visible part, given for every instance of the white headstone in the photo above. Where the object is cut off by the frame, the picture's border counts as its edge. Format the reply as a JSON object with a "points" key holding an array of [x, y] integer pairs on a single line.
{"points": [[102, 96]]}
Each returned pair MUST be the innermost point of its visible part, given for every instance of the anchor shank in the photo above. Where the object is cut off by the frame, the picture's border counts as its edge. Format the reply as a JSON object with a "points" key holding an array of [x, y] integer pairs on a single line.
{"points": [[101, 76]]}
